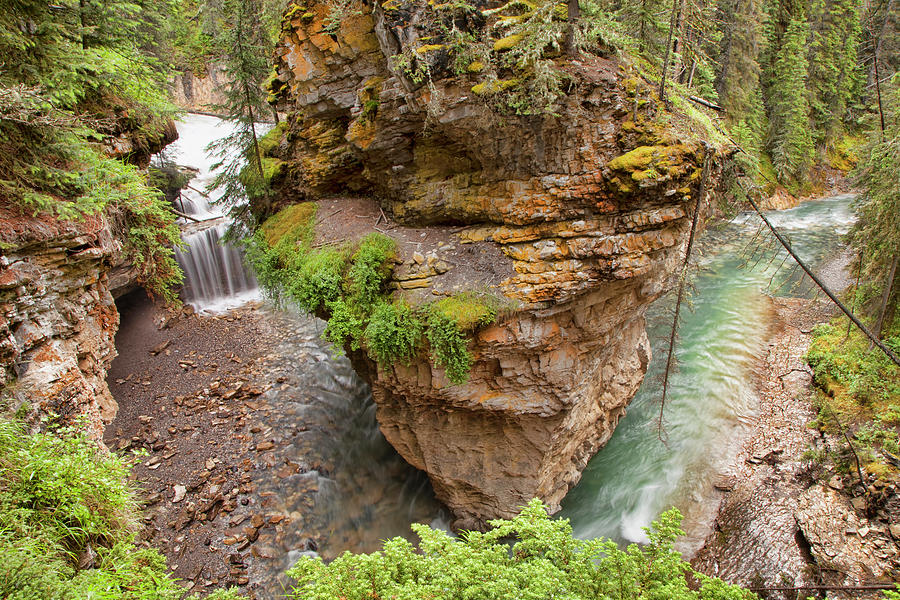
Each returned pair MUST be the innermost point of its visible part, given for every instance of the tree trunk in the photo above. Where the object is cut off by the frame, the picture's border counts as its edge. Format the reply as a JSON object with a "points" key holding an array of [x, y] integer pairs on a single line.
{"points": [[885, 298], [574, 13], [81, 10], [665, 67]]}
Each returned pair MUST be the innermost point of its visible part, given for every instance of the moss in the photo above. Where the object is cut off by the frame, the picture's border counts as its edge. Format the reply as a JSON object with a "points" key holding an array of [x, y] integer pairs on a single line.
{"points": [[650, 173], [475, 67], [294, 223], [494, 86], [858, 386], [635, 160], [508, 42], [842, 155], [270, 142], [467, 310], [429, 48], [292, 13]]}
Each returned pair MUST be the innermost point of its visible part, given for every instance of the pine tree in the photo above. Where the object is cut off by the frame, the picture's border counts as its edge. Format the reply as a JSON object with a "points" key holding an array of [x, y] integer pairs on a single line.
{"points": [[646, 22], [738, 80], [791, 143], [877, 232], [832, 65], [242, 174]]}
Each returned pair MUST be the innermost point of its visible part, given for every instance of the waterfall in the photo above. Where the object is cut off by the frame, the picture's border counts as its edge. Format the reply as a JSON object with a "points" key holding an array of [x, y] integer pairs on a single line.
{"points": [[215, 277]]}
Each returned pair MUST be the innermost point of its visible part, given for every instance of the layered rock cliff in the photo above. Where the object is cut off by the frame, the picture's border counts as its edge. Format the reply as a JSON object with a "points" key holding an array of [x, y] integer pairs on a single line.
{"points": [[200, 93], [577, 215], [57, 317]]}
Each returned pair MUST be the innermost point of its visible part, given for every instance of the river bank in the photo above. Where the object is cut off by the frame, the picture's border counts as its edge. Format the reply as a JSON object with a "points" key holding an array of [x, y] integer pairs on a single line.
{"points": [[260, 445], [779, 524]]}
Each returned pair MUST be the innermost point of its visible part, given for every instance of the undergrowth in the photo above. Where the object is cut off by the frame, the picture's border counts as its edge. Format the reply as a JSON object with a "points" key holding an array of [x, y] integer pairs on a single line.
{"points": [[544, 561], [859, 391], [68, 521], [348, 285]]}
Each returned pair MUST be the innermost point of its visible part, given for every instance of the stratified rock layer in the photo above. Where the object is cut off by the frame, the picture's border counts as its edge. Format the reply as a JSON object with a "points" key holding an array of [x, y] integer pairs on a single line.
{"points": [[588, 208], [57, 316], [200, 93]]}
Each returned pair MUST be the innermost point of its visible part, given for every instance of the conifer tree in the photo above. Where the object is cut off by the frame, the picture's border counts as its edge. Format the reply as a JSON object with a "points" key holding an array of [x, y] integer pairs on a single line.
{"points": [[877, 232], [791, 143], [832, 65], [242, 173], [738, 82]]}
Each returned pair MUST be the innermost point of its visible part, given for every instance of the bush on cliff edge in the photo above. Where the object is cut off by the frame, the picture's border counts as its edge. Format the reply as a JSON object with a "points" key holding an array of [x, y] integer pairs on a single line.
{"points": [[544, 562], [348, 284]]}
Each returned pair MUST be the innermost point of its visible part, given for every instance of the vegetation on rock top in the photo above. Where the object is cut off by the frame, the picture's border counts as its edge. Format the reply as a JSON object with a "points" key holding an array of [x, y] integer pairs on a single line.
{"points": [[71, 83], [347, 284], [859, 391]]}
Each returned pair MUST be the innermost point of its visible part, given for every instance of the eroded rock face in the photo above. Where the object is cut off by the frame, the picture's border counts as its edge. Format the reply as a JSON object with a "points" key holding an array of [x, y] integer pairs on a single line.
{"points": [[200, 94], [57, 316], [589, 210]]}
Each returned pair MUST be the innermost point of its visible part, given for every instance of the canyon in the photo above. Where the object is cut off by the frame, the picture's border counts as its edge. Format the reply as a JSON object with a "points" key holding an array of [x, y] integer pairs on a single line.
{"points": [[578, 219]]}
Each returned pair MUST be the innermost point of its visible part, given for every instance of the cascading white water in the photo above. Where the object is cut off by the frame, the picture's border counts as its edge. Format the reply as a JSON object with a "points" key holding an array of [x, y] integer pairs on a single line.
{"points": [[215, 278]]}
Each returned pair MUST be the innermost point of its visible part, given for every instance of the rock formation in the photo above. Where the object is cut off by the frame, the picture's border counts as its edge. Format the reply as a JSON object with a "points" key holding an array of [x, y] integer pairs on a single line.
{"points": [[57, 317], [583, 211], [200, 93]]}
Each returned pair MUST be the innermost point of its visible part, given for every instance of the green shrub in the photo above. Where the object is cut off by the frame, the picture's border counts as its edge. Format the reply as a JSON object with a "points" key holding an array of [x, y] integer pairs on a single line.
{"points": [[545, 561], [349, 287], [448, 346], [317, 279], [370, 268], [394, 332], [60, 497], [345, 324]]}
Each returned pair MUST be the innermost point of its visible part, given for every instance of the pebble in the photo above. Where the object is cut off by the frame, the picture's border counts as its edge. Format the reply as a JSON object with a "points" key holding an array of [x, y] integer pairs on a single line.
{"points": [[180, 491]]}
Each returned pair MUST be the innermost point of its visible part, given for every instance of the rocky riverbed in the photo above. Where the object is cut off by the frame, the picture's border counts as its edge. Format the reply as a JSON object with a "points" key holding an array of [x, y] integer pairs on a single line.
{"points": [[785, 521], [254, 445]]}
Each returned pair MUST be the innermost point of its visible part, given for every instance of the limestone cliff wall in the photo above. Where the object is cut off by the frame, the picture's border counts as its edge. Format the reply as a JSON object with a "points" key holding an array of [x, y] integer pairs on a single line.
{"points": [[584, 209], [57, 317], [200, 93]]}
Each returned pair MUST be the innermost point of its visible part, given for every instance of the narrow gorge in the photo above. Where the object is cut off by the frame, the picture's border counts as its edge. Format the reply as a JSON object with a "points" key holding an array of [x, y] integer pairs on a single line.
{"points": [[408, 293], [576, 220]]}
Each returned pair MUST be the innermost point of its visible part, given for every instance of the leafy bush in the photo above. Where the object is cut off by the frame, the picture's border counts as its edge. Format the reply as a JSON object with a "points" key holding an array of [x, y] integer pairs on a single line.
{"points": [[448, 346], [394, 332], [61, 498], [545, 561], [345, 324], [348, 285], [370, 269], [318, 278]]}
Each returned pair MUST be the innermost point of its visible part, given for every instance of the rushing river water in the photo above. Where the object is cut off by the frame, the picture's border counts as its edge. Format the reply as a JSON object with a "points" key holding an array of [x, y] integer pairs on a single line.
{"points": [[357, 491], [636, 476]]}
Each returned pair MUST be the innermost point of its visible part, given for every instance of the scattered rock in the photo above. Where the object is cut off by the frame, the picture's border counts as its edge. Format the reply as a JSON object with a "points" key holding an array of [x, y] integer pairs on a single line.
{"points": [[180, 491], [160, 347]]}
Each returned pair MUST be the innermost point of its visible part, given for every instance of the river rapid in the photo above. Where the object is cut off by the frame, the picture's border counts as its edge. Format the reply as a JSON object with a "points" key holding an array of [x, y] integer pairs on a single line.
{"points": [[364, 493]]}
